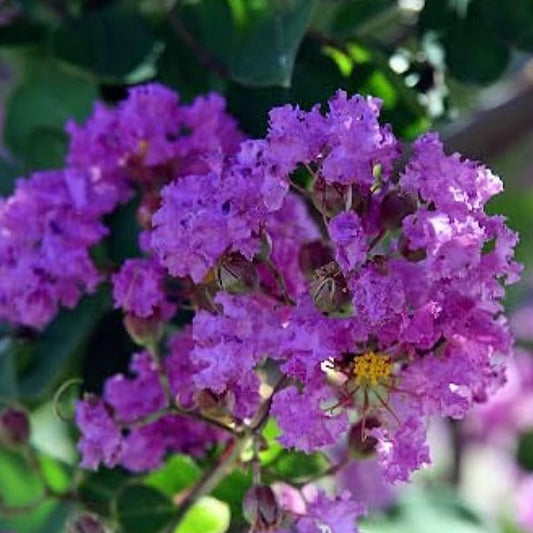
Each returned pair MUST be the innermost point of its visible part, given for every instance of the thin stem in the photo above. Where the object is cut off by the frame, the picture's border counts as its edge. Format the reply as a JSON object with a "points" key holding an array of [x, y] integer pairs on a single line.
{"points": [[377, 239], [280, 281], [231, 454], [204, 56], [213, 477]]}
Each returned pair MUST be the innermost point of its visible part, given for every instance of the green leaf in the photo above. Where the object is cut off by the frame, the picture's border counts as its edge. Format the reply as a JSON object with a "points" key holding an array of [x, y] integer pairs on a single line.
{"points": [[231, 490], [8, 174], [46, 98], [207, 515], [474, 51], [271, 432], [46, 148], [141, 509], [524, 453], [179, 473], [19, 485], [298, 466], [351, 15], [59, 345], [266, 47], [112, 44], [8, 374], [22, 32], [99, 489]]}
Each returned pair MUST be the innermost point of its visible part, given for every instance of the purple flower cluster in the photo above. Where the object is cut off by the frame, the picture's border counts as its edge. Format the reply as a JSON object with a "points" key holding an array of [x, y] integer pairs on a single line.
{"points": [[334, 288], [130, 426], [46, 230], [399, 317], [51, 221]]}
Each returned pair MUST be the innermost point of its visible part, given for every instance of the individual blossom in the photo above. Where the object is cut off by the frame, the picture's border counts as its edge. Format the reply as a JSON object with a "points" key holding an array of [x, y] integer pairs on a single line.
{"points": [[337, 514], [101, 438], [138, 289]]}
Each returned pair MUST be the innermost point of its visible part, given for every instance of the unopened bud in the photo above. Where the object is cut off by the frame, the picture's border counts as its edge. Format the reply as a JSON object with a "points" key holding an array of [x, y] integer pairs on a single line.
{"points": [[312, 256], [260, 508], [360, 443], [145, 332], [14, 427], [86, 523], [213, 406], [395, 206], [236, 275], [411, 255], [329, 198], [329, 289]]}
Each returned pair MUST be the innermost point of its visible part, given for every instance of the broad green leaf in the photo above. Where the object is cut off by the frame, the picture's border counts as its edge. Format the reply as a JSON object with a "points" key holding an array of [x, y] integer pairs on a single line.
{"points": [[112, 44], [231, 490], [8, 374], [58, 475], [351, 15], [98, 490], [474, 52], [141, 509], [51, 436], [298, 466], [8, 173], [59, 345], [22, 32], [45, 99], [178, 473], [267, 44], [19, 485], [46, 148], [207, 515], [178, 67]]}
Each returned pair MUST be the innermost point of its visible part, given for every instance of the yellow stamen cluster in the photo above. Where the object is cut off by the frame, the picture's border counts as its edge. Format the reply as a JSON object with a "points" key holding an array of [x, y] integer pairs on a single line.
{"points": [[143, 147], [372, 369]]}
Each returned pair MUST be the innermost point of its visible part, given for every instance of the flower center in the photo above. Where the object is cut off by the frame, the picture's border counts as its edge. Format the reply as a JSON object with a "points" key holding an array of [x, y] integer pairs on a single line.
{"points": [[372, 369]]}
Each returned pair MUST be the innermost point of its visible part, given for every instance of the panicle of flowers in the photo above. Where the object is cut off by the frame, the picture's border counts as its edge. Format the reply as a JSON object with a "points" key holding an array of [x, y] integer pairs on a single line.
{"points": [[50, 223], [333, 286], [399, 317], [46, 230]]}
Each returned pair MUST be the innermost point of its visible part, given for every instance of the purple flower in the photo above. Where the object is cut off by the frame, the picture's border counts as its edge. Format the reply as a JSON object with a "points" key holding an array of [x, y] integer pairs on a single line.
{"points": [[138, 289], [350, 242], [305, 424], [46, 230], [338, 515], [101, 440]]}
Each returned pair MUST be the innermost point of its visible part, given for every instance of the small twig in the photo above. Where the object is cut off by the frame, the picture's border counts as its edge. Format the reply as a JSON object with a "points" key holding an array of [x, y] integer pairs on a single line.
{"points": [[213, 477], [280, 281], [204, 56]]}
